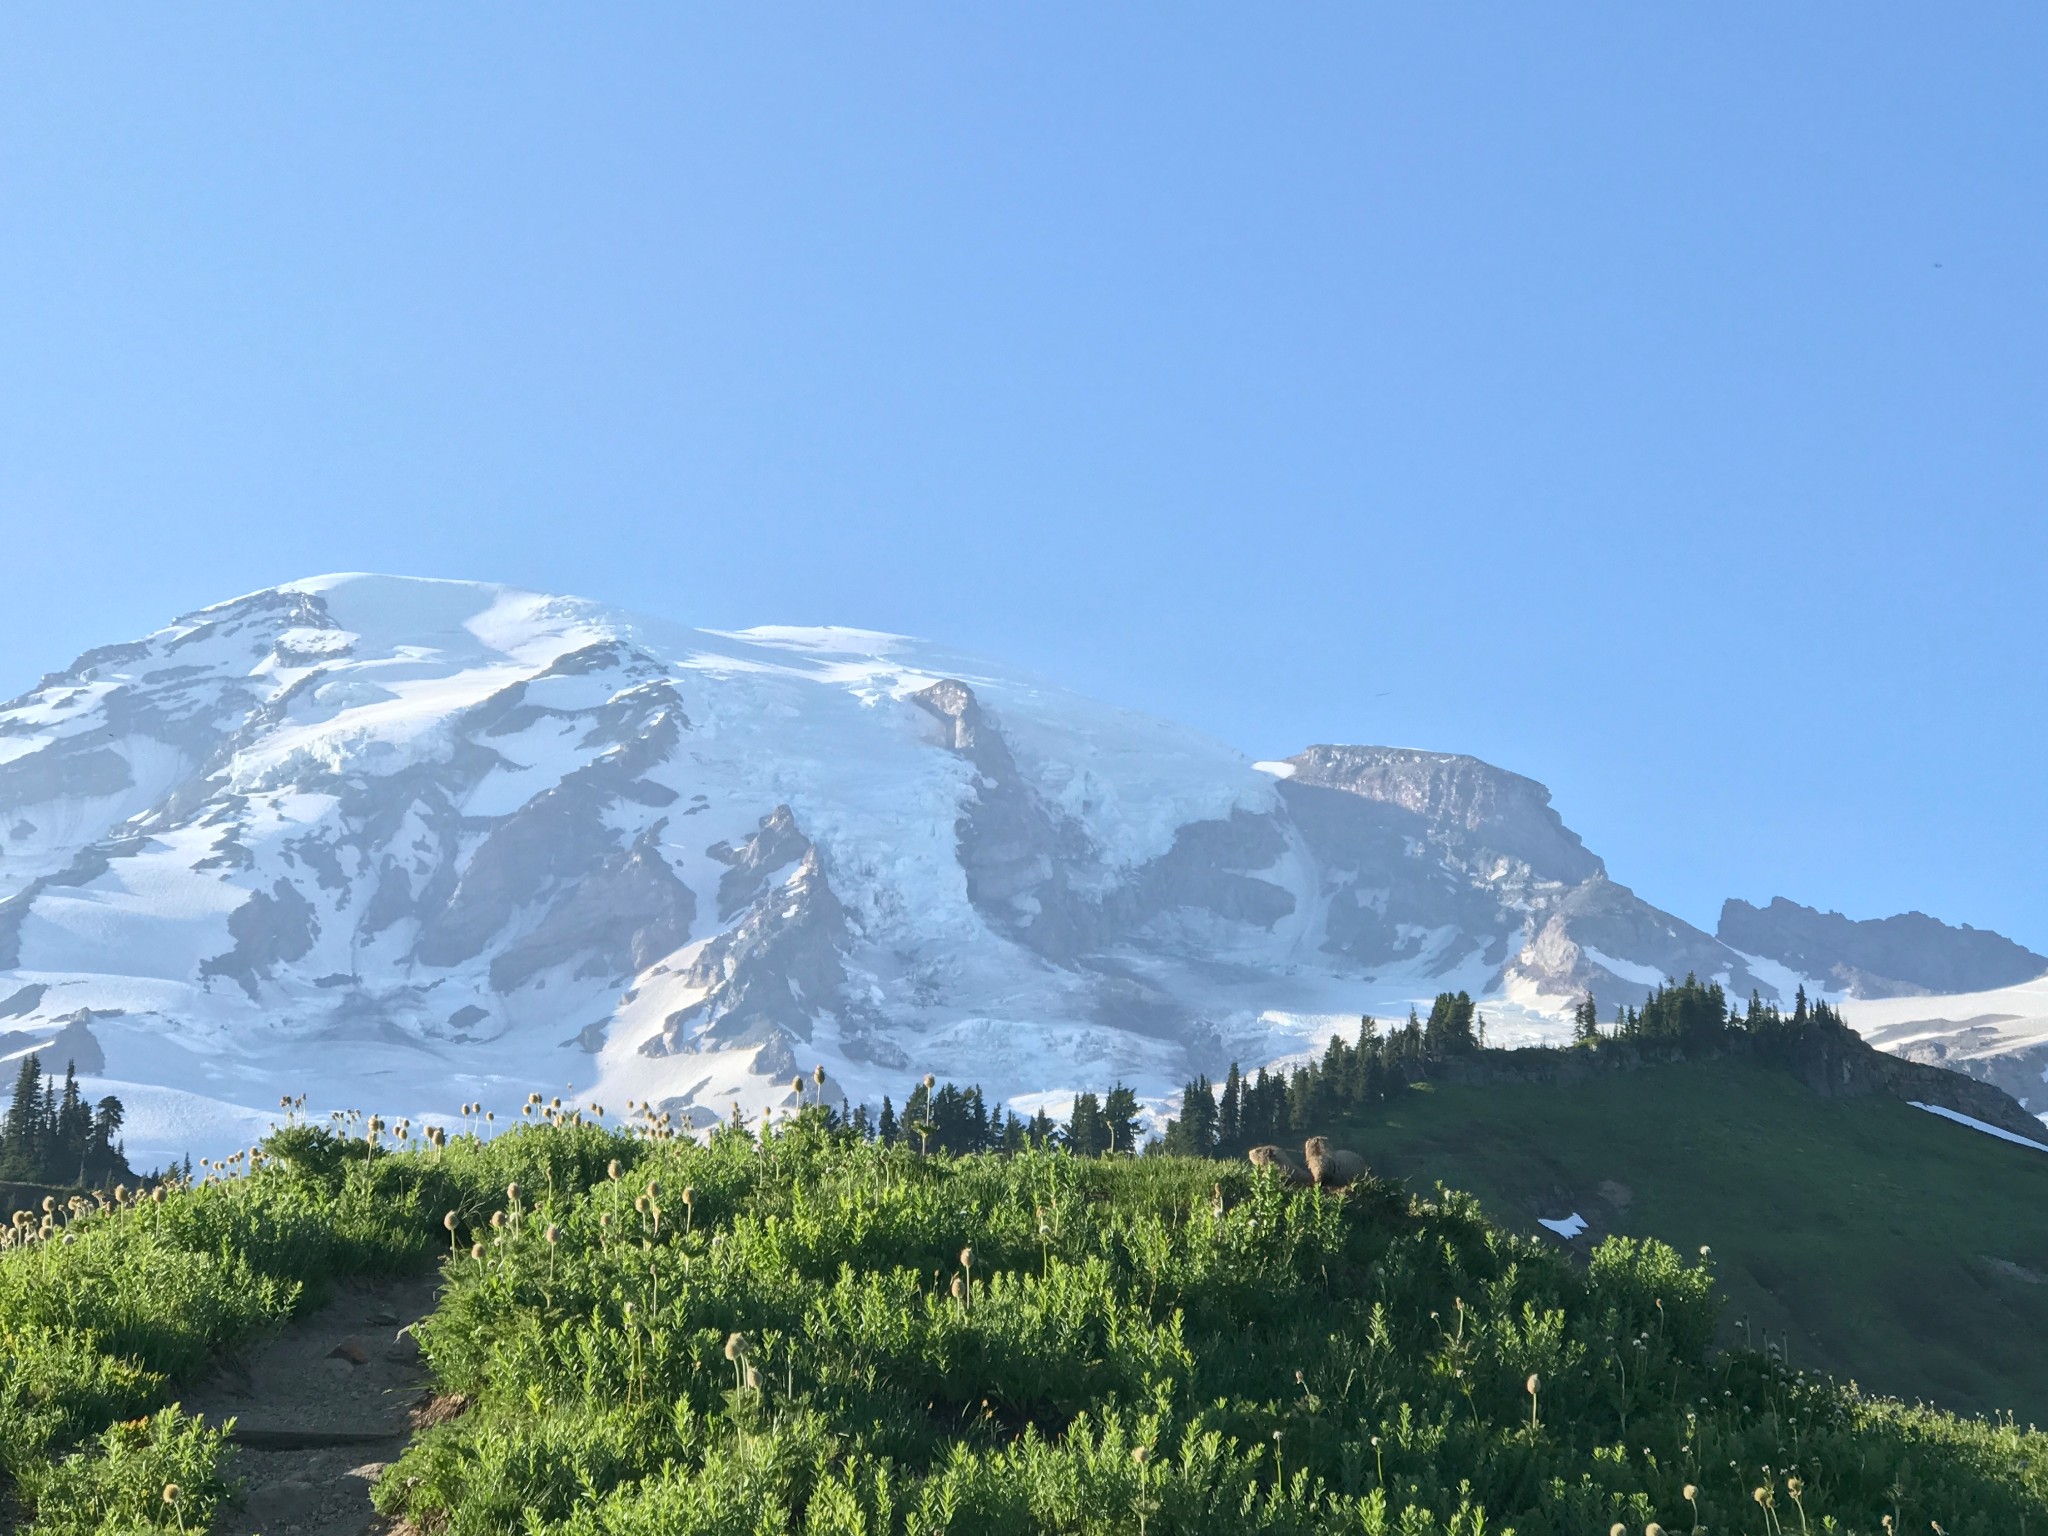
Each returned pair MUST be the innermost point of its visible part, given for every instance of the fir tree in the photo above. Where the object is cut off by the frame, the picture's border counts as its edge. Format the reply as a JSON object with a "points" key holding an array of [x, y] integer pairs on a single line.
{"points": [[1085, 1134]]}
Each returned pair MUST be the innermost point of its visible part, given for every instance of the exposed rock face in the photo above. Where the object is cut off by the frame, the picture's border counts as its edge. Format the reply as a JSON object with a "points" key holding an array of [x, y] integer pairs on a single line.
{"points": [[1454, 863], [1602, 938], [769, 978], [775, 845], [1882, 957], [270, 929], [1458, 803], [619, 919], [1016, 851]]}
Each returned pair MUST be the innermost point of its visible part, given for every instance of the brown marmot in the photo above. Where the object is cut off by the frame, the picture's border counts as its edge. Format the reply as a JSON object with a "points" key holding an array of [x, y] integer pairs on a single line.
{"points": [[1279, 1157], [1331, 1167]]}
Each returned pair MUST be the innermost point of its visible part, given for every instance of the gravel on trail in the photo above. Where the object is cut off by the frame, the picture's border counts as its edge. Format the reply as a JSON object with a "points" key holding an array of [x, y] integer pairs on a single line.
{"points": [[320, 1410]]}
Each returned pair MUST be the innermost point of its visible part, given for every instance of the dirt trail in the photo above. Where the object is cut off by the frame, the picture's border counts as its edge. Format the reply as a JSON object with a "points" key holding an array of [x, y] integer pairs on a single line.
{"points": [[320, 1411]]}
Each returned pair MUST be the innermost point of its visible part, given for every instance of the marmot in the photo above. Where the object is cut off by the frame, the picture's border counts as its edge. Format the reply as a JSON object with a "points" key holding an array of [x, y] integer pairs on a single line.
{"points": [[1331, 1167], [1280, 1158]]}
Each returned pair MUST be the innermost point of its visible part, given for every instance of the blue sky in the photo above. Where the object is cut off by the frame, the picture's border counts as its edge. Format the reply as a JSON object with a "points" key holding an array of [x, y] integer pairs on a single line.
{"points": [[1647, 398]]}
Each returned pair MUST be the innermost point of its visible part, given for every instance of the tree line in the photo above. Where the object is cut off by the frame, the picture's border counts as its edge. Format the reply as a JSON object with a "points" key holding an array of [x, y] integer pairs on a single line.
{"points": [[52, 1136], [943, 1117], [1690, 1016]]}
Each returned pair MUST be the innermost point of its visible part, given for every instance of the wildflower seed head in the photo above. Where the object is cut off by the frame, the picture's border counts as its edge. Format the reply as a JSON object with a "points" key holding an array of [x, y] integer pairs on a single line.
{"points": [[1140, 1454], [611, 1170], [448, 1221], [1653, 1529], [553, 1234], [753, 1379], [497, 1220], [967, 1258], [735, 1345], [1532, 1384], [796, 1086], [476, 1251], [1794, 1486], [512, 1193], [959, 1289], [1691, 1492], [689, 1195], [1617, 1529], [930, 1081], [653, 1189], [818, 1074]]}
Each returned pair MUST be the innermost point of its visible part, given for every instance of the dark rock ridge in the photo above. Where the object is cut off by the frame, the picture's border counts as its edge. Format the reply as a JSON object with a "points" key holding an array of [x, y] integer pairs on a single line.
{"points": [[1455, 863], [1901, 956]]}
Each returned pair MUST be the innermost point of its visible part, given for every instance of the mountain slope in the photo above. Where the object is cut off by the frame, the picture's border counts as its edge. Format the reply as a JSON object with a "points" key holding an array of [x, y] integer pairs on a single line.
{"points": [[1873, 1240], [1883, 957], [400, 841]]}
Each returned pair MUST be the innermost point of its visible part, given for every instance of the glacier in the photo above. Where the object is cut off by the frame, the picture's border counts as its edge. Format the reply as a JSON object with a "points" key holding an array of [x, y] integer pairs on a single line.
{"points": [[401, 844]]}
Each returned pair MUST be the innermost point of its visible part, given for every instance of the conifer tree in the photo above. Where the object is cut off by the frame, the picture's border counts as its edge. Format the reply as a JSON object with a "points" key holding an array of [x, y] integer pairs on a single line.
{"points": [[1086, 1136]]}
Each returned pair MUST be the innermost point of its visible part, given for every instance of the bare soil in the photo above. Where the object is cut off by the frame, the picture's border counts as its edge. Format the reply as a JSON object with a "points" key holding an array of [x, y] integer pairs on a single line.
{"points": [[320, 1411]]}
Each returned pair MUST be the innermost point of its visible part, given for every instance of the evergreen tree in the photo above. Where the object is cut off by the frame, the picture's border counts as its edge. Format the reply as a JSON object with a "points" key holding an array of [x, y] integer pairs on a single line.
{"points": [[1228, 1111], [886, 1126], [1449, 1030], [21, 1133], [1586, 1022], [1120, 1119], [1086, 1136], [1193, 1133]]}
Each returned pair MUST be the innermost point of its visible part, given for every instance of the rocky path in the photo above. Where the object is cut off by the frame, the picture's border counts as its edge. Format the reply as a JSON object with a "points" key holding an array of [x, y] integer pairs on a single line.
{"points": [[320, 1411]]}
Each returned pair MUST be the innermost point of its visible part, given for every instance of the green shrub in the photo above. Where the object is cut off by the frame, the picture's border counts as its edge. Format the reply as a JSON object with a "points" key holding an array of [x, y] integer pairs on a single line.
{"points": [[833, 1336]]}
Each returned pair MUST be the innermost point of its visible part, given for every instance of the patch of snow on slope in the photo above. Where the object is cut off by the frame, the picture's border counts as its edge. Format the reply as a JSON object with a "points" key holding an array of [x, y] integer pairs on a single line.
{"points": [[1979, 1125], [1567, 1227], [1627, 970]]}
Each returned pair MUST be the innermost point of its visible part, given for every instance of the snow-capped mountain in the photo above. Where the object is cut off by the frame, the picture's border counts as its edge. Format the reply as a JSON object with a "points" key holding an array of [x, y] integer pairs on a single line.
{"points": [[401, 844]]}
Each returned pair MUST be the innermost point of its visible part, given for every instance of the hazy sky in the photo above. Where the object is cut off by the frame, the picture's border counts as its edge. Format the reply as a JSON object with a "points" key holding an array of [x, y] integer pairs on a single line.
{"points": [[1646, 398]]}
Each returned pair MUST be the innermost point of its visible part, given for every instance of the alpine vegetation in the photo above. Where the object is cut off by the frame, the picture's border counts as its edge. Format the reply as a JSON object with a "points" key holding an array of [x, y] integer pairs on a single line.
{"points": [[847, 1335]]}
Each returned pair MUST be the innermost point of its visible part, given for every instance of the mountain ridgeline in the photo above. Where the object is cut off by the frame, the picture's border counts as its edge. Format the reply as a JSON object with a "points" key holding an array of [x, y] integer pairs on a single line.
{"points": [[357, 831]]}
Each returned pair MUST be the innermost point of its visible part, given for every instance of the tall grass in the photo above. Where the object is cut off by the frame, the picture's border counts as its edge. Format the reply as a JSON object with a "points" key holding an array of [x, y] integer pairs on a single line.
{"points": [[1135, 1345]]}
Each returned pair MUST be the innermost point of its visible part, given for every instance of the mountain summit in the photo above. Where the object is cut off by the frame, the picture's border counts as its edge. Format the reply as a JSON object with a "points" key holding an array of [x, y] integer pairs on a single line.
{"points": [[407, 843]]}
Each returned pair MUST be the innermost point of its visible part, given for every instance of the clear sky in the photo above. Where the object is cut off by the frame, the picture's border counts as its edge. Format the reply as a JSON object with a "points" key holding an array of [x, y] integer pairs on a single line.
{"points": [[1648, 398]]}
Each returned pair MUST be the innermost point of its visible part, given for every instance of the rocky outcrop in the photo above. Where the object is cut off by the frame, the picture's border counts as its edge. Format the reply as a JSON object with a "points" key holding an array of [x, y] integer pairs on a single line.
{"points": [[617, 920], [1602, 938], [1900, 956], [270, 929], [769, 978], [775, 845], [1016, 852], [1459, 803]]}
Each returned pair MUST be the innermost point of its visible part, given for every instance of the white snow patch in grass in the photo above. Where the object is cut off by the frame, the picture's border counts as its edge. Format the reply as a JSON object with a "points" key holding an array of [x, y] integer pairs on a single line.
{"points": [[1567, 1227], [1979, 1125]]}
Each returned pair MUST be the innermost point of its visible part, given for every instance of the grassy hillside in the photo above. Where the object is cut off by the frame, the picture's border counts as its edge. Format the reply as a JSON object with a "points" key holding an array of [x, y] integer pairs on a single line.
{"points": [[1875, 1240], [814, 1333]]}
